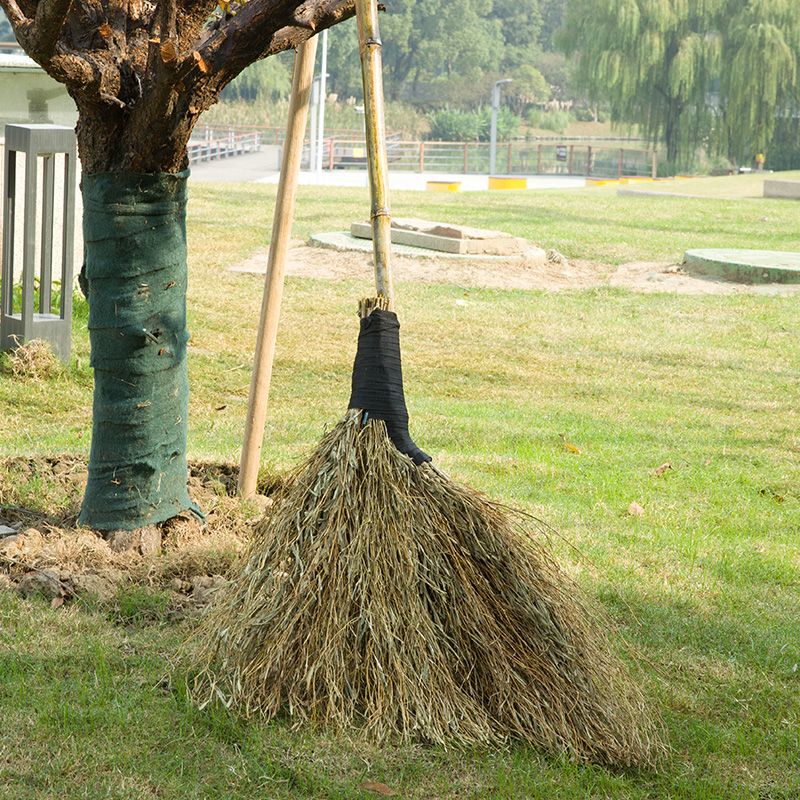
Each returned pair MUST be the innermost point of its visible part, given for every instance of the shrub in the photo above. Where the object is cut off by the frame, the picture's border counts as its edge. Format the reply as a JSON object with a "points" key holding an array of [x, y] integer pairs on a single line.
{"points": [[453, 126], [507, 124], [555, 120], [471, 126], [585, 114]]}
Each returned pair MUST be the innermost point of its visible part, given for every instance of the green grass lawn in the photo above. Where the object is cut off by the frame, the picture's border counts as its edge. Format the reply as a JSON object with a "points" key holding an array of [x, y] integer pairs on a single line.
{"points": [[704, 585]]}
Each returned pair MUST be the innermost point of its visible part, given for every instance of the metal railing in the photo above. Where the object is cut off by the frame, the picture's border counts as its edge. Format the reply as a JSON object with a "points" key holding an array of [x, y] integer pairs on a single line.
{"points": [[269, 135], [512, 158], [224, 147], [346, 148]]}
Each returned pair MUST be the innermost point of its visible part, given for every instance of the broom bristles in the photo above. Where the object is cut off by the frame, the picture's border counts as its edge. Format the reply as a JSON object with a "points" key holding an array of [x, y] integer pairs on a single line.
{"points": [[381, 594]]}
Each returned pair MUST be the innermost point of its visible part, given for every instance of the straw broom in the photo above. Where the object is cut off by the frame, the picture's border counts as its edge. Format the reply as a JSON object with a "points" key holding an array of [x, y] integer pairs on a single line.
{"points": [[378, 593]]}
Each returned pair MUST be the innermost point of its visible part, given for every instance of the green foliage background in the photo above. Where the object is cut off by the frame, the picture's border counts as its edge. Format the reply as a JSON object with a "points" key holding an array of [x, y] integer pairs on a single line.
{"points": [[715, 74]]}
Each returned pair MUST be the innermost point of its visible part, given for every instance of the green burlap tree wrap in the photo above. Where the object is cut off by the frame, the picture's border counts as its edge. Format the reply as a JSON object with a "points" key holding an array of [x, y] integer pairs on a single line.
{"points": [[135, 277]]}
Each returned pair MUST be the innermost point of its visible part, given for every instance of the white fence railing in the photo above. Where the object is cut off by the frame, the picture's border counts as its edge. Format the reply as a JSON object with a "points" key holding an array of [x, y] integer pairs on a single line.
{"points": [[224, 147]]}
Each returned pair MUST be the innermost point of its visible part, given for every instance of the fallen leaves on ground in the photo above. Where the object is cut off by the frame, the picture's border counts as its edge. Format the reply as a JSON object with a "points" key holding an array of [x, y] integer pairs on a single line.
{"points": [[379, 788], [635, 510]]}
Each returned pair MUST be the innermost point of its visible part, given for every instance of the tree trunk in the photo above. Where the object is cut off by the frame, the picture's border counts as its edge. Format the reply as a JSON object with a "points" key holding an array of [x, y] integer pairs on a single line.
{"points": [[135, 279], [141, 74]]}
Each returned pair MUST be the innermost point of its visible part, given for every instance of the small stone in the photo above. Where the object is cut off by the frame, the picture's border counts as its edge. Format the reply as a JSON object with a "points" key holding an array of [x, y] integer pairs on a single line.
{"points": [[93, 585], [29, 542], [5, 530], [145, 541], [44, 584], [8, 543], [80, 477], [203, 589], [32, 537], [180, 586], [260, 501]]}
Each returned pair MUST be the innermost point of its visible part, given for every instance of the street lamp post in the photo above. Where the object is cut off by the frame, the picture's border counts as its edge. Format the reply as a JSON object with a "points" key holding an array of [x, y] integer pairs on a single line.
{"points": [[493, 140], [316, 115], [321, 112], [312, 136]]}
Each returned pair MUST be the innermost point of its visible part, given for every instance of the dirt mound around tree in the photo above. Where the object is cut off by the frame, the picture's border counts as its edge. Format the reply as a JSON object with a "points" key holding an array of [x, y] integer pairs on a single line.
{"points": [[46, 553]]}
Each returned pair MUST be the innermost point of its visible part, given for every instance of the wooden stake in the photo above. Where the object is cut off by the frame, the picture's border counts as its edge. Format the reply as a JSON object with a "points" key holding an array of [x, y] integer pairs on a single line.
{"points": [[302, 78], [369, 46]]}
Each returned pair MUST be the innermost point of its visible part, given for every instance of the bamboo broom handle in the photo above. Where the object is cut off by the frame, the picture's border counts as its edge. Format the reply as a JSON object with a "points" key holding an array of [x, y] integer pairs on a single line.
{"points": [[369, 46], [302, 78]]}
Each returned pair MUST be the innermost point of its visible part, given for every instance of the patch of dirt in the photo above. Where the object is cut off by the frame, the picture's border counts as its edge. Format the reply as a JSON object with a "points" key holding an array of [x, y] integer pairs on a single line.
{"points": [[46, 554], [556, 274]]}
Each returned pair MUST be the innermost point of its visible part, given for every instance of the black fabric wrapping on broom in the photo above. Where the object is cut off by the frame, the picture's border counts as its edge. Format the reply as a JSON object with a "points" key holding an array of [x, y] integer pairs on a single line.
{"points": [[378, 380]]}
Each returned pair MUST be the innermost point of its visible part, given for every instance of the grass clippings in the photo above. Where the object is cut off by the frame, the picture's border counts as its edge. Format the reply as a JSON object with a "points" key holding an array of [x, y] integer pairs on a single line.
{"points": [[381, 593], [33, 360]]}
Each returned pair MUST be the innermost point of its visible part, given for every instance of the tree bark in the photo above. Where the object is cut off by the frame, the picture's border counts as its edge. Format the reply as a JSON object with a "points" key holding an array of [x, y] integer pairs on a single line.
{"points": [[141, 73]]}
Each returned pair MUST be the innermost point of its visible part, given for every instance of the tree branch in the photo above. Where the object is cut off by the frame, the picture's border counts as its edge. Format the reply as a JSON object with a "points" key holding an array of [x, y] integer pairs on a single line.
{"points": [[118, 17], [15, 16], [142, 71], [42, 36], [193, 15], [266, 27], [169, 16]]}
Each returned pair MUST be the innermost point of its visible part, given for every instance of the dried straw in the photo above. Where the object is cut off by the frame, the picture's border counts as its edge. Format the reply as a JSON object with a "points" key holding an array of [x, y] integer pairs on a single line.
{"points": [[33, 360], [381, 594]]}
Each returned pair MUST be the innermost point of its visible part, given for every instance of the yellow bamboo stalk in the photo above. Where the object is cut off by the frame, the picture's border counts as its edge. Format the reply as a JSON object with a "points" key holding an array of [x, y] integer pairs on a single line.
{"points": [[369, 46]]}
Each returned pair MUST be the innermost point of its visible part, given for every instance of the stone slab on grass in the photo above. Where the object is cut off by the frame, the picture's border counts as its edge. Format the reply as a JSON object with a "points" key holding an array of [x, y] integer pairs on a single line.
{"points": [[784, 189], [447, 238], [745, 266]]}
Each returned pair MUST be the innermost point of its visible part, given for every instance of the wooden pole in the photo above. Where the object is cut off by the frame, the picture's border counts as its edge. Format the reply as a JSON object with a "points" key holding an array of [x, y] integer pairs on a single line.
{"points": [[369, 47], [302, 78]]}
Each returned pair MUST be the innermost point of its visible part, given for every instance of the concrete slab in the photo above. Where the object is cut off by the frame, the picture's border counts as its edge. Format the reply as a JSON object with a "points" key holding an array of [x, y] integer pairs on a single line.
{"points": [[443, 186], [745, 266], [344, 241], [453, 231], [441, 244], [446, 238], [786, 189]]}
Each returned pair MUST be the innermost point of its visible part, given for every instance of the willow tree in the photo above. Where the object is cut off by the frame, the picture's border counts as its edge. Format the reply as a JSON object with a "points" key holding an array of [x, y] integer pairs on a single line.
{"points": [[761, 75], [656, 61], [141, 73], [652, 60]]}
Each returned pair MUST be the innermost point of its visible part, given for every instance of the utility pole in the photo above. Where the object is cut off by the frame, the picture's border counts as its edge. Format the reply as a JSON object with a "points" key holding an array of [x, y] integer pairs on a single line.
{"points": [[495, 106]]}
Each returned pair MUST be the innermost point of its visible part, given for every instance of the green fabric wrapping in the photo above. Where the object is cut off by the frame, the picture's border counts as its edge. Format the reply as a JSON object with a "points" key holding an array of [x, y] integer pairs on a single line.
{"points": [[135, 278]]}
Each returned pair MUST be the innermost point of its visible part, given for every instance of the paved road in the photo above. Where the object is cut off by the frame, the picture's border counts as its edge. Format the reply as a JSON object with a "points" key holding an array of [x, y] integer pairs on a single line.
{"points": [[246, 168], [264, 167]]}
